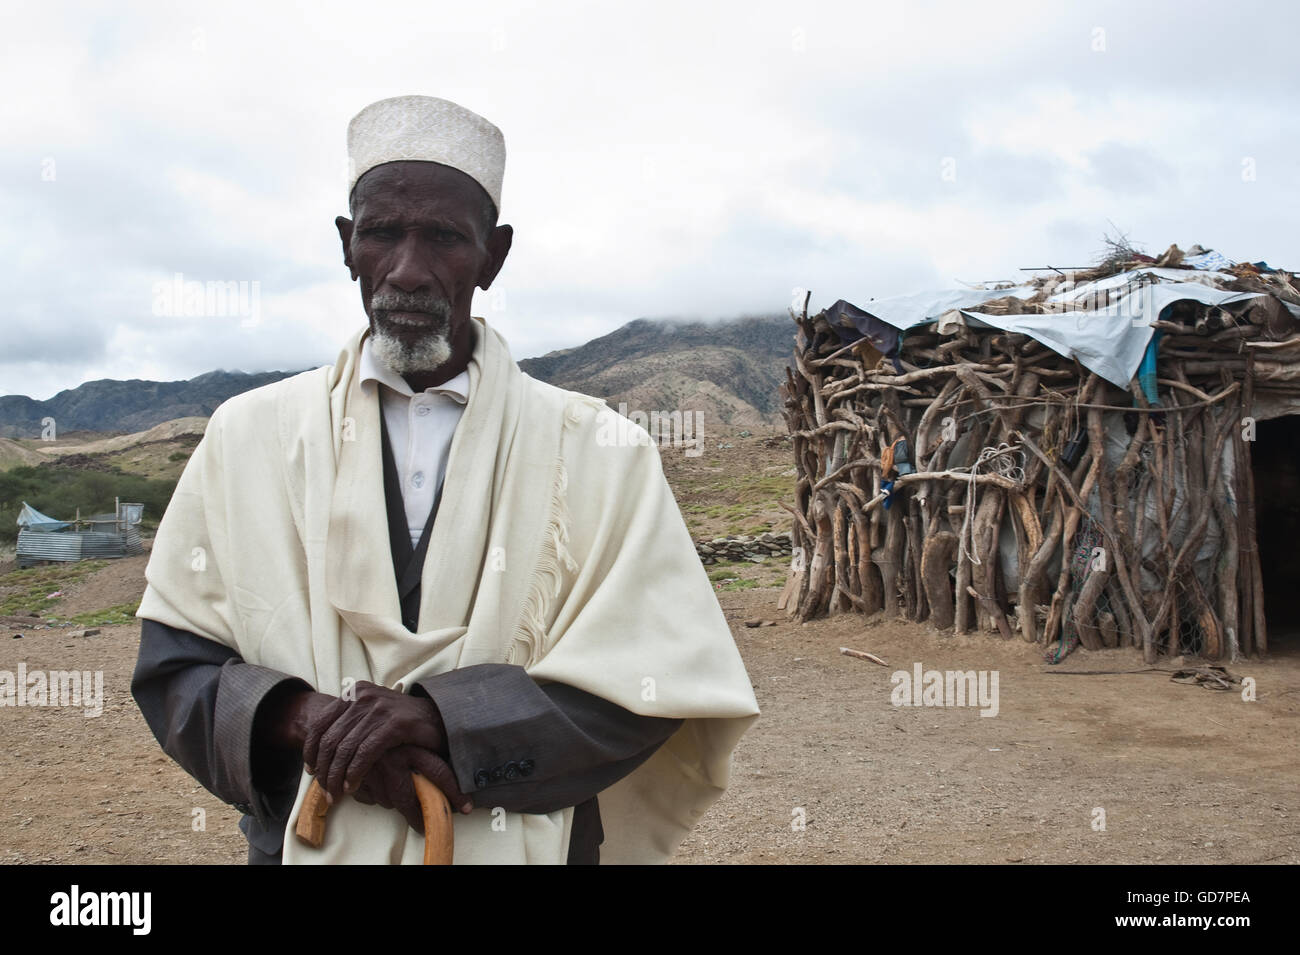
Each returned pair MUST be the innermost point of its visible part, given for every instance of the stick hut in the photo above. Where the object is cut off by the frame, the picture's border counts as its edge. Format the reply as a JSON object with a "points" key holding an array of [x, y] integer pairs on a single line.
{"points": [[977, 477]]}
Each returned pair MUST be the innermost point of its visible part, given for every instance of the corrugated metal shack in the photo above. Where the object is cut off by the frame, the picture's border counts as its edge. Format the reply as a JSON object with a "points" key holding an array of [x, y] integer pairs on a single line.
{"points": [[42, 538]]}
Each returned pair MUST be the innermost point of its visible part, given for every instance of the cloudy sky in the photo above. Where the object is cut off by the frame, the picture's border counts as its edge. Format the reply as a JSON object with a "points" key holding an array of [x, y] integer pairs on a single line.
{"points": [[663, 159]]}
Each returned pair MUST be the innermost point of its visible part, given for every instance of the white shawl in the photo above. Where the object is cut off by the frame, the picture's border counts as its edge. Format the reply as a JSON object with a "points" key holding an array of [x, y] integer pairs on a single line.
{"points": [[558, 546]]}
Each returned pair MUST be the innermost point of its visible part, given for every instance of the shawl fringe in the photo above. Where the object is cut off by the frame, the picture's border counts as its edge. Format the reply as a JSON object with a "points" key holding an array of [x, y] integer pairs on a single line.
{"points": [[532, 640]]}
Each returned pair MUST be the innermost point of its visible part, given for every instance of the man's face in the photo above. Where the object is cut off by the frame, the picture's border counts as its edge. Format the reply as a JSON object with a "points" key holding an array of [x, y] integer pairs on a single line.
{"points": [[419, 245]]}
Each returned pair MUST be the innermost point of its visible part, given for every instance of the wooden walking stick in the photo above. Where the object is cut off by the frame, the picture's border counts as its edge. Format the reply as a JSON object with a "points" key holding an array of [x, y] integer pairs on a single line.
{"points": [[438, 833]]}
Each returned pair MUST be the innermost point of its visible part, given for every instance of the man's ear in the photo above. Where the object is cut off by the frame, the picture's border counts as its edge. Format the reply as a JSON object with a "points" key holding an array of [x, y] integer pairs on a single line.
{"points": [[498, 247], [344, 225]]}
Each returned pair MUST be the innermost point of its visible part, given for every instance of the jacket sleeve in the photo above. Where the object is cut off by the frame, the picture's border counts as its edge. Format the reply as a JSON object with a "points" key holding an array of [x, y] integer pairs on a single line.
{"points": [[531, 748], [202, 703]]}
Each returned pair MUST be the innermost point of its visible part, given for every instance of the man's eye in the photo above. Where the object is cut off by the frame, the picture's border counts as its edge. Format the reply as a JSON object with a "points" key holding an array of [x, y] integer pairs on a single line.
{"points": [[379, 233]]}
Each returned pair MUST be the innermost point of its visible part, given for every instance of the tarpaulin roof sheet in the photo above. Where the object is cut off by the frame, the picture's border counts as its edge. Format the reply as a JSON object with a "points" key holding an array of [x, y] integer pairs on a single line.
{"points": [[32, 519], [1109, 340]]}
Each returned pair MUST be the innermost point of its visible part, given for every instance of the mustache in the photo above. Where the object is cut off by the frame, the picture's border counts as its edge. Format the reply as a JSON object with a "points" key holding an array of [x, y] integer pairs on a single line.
{"points": [[429, 303]]}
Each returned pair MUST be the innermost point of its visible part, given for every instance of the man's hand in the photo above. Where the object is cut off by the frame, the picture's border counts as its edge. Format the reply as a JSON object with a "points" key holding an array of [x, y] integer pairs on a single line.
{"points": [[345, 739], [389, 783], [288, 712]]}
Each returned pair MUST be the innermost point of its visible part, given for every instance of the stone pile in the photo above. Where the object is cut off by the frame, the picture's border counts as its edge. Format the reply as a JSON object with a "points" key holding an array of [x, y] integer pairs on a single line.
{"points": [[745, 547]]}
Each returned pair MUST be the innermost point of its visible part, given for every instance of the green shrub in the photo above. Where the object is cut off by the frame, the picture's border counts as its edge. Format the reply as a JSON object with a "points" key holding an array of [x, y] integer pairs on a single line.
{"points": [[59, 491]]}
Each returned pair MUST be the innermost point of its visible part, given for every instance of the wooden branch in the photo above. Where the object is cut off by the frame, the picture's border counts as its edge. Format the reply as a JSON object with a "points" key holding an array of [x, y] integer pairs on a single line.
{"points": [[862, 655]]}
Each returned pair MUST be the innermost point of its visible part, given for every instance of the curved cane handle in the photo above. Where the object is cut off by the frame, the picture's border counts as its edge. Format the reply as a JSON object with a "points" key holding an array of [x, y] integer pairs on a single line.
{"points": [[439, 833]]}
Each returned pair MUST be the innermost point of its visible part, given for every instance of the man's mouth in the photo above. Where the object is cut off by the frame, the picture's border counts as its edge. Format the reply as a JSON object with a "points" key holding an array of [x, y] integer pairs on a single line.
{"points": [[410, 319]]}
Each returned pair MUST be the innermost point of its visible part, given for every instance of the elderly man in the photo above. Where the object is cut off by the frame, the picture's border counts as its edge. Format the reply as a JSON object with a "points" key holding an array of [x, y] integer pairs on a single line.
{"points": [[419, 559]]}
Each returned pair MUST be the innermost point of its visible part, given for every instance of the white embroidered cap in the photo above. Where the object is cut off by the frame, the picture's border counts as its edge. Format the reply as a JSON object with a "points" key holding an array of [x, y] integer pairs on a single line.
{"points": [[427, 129]]}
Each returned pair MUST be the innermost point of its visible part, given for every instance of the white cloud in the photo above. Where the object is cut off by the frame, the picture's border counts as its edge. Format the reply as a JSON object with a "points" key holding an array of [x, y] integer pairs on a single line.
{"points": [[664, 159]]}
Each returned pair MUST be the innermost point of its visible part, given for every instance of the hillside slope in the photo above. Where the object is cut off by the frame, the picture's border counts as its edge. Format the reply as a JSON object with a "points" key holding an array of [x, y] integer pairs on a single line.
{"points": [[728, 370]]}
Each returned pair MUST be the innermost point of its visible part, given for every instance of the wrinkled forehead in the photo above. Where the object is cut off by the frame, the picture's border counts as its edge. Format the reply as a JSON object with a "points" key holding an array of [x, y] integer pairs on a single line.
{"points": [[413, 185]]}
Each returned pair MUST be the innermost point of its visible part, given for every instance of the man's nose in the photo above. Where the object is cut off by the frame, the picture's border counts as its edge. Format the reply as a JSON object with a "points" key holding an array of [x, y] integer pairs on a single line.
{"points": [[412, 268]]}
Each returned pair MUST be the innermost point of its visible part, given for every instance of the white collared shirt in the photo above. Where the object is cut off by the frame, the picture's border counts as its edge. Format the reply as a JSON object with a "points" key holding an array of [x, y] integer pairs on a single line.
{"points": [[420, 429]]}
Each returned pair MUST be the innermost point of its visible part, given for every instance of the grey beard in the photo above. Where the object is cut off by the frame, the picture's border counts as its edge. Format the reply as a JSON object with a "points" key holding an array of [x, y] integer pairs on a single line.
{"points": [[405, 355]]}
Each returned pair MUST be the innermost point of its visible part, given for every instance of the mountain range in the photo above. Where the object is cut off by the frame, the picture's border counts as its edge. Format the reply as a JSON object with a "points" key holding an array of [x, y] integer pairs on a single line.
{"points": [[727, 370]]}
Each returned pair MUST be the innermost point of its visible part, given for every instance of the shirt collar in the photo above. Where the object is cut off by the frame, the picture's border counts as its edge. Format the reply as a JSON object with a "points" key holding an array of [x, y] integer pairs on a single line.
{"points": [[372, 369]]}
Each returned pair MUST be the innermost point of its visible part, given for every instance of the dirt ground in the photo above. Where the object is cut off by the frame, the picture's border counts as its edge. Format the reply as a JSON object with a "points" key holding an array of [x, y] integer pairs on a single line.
{"points": [[1181, 773], [1184, 774]]}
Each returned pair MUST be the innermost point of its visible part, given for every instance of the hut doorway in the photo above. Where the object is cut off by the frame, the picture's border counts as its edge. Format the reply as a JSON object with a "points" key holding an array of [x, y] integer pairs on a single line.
{"points": [[1275, 460]]}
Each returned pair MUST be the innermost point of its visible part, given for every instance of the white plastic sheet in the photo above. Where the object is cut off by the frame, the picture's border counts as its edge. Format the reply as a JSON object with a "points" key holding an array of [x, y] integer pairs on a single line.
{"points": [[1108, 336]]}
